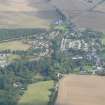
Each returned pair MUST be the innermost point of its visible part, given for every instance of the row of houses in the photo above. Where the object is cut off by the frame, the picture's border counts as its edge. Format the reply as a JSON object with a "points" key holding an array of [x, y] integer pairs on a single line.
{"points": [[75, 44], [3, 60]]}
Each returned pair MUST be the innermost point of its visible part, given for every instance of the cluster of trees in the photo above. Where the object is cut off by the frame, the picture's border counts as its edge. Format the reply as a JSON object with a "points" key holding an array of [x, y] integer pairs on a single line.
{"points": [[22, 72]]}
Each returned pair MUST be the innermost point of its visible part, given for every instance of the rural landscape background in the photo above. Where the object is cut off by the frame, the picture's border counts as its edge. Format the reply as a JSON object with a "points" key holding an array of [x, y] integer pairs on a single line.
{"points": [[52, 52]]}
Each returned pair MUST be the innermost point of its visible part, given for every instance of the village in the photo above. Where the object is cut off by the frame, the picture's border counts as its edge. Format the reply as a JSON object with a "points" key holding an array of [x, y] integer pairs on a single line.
{"points": [[31, 48], [39, 45], [52, 52], [84, 49]]}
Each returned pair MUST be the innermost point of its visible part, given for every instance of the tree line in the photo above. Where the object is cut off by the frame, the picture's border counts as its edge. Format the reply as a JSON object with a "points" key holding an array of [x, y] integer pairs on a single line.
{"points": [[9, 34]]}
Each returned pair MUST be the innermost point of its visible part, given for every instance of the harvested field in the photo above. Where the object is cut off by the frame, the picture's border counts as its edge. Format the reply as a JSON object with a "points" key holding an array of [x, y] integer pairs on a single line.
{"points": [[81, 90], [84, 14], [41, 13], [100, 8], [26, 14], [92, 20]]}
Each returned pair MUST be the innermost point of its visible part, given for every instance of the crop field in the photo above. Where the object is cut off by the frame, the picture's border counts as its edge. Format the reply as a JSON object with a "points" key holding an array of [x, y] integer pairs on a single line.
{"points": [[26, 14], [83, 13], [21, 20], [100, 8], [37, 94], [81, 90], [41, 13], [14, 45]]}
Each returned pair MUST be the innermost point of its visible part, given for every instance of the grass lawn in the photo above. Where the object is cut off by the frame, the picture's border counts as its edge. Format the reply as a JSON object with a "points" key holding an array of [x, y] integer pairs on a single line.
{"points": [[14, 45], [61, 27], [37, 94], [13, 57]]}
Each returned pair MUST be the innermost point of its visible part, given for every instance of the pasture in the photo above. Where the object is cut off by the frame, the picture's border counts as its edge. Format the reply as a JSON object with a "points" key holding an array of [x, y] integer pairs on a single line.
{"points": [[81, 90], [14, 45], [37, 94]]}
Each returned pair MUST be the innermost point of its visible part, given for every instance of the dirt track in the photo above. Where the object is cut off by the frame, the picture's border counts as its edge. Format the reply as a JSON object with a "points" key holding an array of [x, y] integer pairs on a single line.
{"points": [[81, 90]]}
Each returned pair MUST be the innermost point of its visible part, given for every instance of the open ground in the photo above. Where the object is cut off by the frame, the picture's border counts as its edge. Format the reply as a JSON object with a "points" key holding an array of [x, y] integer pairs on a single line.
{"points": [[83, 13], [81, 90], [41, 13], [14, 45], [26, 14], [37, 94]]}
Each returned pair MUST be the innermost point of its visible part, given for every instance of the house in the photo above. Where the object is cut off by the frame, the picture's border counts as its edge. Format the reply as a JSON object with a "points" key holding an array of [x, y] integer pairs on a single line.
{"points": [[17, 85], [3, 63], [68, 43], [100, 71], [58, 22], [77, 58], [3, 55]]}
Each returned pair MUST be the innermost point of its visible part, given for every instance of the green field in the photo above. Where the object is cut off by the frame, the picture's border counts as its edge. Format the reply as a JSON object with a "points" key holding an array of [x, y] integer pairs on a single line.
{"points": [[14, 45], [37, 94]]}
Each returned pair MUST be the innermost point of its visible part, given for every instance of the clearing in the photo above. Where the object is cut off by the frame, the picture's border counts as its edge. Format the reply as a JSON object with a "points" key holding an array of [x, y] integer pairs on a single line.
{"points": [[81, 90], [37, 94]]}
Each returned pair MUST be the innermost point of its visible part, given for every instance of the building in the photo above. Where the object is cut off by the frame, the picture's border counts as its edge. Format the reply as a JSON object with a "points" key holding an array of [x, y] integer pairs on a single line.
{"points": [[3, 63]]}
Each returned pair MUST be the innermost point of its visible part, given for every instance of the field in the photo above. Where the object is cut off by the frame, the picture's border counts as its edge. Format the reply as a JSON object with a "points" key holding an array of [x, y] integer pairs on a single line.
{"points": [[100, 8], [84, 14], [14, 45], [41, 13], [26, 14], [81, 90], [37, 94]]}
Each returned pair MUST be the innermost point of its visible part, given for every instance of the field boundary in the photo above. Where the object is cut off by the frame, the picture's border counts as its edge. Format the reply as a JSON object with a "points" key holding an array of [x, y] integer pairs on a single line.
{"points": [[54, 94]]}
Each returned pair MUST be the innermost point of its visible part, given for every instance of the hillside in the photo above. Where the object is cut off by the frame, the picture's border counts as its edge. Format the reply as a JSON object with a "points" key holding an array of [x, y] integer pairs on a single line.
{"points": [[26, 13], [83, 13], [41, 13]]}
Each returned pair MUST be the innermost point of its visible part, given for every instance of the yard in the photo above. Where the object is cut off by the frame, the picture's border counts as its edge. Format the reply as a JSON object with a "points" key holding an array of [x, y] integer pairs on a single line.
{"points": [[14, 45], [37, 94]]}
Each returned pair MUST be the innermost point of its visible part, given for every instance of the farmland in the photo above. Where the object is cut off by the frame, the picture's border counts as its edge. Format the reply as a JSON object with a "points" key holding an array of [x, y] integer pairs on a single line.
{"points": [[51, 52], [40, 14], [81, 90], [100, 7], [82, 13], [37, 94], [26, 14], [14, 45]]}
